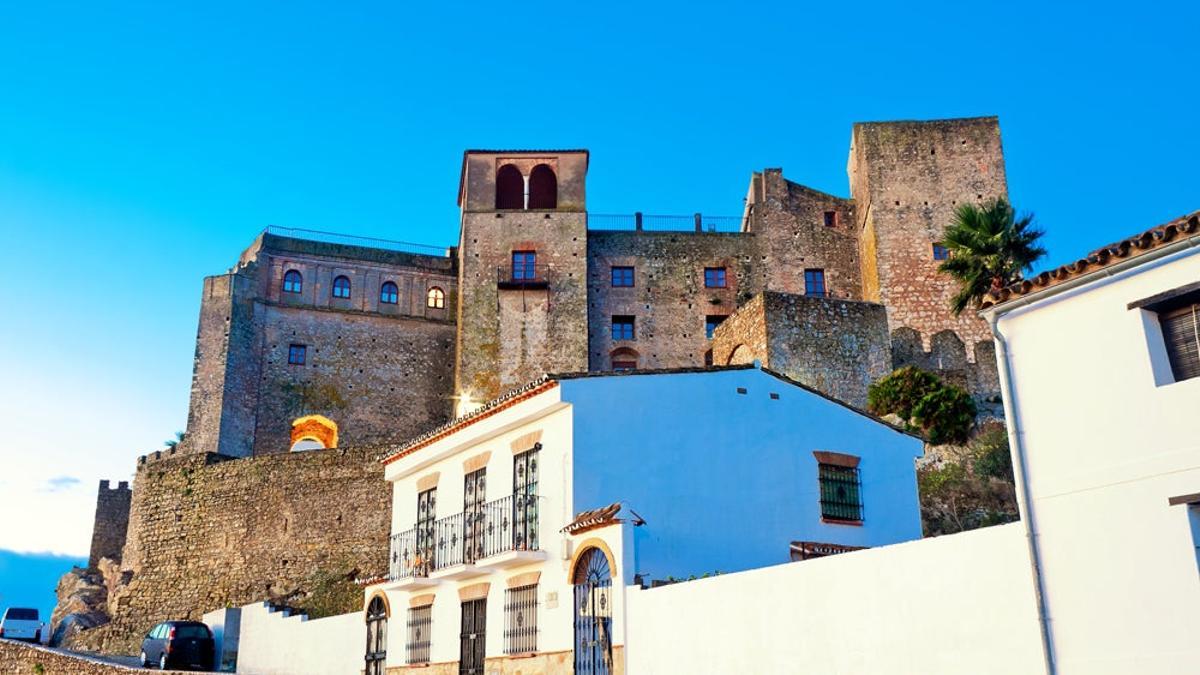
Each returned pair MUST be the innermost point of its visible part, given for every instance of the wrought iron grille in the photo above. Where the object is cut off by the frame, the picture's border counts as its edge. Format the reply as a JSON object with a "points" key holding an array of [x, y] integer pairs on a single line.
{"points": [[525, 503], [376, 657], [520, 620], [448, 542], [474, 489], [593, 614], [403, 561], [841, 493], [420, 622], [473, 637], [423, 544]]}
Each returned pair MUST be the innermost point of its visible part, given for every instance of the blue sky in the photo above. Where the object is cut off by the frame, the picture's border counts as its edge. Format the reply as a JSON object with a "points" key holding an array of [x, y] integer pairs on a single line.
{"points": [[143, 145]]}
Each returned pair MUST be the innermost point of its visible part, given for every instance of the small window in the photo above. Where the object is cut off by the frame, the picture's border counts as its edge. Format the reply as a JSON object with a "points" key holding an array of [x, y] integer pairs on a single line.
{"points": [[520, 620], [389, 293], [297, 354], [622, 328], [623, 359], [714, 277], [376, 636], [435, 298], [814, 283], [831, 219], [710, 324], [420, 620], [940, 252], [341, 287], [1181, 333], [524, 265], [293, 282], [622, 277], [841, 493]]}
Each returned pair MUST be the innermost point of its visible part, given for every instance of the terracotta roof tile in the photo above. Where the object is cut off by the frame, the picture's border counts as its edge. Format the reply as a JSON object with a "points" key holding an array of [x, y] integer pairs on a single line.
{"points": [[1102, 257], [590, 520]]}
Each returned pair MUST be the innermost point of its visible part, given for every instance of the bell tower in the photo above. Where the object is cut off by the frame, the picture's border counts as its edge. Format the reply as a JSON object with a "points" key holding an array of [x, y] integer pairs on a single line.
{"points": [[522, 272]]}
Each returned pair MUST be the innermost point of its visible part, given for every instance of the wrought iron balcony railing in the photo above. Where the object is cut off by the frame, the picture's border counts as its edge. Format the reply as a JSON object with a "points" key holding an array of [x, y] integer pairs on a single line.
{"points": [[506, 524], [523, 276]]}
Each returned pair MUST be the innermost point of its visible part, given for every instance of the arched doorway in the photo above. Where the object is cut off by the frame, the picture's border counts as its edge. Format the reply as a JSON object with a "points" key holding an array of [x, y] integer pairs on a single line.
{"points": [[377, 616], [593, 613]]}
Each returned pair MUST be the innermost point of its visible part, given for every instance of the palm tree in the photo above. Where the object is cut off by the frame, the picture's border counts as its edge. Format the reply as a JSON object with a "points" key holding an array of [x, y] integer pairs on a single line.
{"points": [[174, 442], [989, 247]]}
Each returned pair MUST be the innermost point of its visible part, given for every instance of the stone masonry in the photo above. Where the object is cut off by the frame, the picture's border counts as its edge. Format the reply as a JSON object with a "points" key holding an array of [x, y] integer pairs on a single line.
{"points": [[111, 522]]}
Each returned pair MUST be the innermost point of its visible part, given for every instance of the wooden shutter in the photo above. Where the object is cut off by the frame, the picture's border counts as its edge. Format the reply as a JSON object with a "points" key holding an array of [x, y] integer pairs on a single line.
{"points": [[1181, 332]]}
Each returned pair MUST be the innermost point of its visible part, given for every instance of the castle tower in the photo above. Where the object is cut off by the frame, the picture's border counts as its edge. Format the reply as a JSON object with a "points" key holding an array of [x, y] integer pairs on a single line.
{"points": [[906, 179], [522, 270], [111, 522]]}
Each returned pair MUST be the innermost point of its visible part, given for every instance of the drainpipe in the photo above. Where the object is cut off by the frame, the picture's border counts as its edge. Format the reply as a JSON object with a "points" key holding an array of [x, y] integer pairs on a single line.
{"points": [[1018, 450]]}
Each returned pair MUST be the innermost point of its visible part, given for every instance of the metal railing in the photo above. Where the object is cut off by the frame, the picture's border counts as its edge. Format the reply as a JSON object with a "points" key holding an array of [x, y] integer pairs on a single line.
{"points": [[518, 276], [355, 240], [506, 524], [697, 222]]}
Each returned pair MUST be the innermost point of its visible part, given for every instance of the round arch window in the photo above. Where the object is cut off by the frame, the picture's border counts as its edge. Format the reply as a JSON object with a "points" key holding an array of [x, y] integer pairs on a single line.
{"points": [[435, 298], [341, 287], [293, 282], [389, 293]]}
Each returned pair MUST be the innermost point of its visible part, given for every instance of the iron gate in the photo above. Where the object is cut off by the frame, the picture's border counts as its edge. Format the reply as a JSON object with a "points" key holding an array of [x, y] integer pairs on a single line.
{"points": [[472, 640], [593, 614]]}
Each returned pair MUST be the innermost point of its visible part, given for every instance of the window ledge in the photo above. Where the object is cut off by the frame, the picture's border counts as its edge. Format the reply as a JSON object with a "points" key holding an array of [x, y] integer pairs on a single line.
{"points": [[839, 521]]}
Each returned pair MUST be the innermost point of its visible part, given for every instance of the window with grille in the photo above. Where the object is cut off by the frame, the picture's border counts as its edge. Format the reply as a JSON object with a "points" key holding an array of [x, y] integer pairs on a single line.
{"points": [[520, 620], [420, 620], [1181, 334], [814, 282], [377, 618], [622, 277], [841, 493], [297, 354], [622, 328], [341, 287], [426, 516], [714, 277]]}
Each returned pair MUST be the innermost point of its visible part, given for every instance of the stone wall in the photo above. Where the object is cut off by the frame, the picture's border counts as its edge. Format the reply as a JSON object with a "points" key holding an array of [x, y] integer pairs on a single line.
{"points": [[207, 531], [111, 522], [976, 371], [906, 179], [20, 658], [669, 301], [838, 347]]}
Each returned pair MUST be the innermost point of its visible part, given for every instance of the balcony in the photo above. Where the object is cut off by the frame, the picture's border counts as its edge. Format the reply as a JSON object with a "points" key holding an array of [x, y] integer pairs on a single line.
{"points": [[493, 535], [522, 276]]}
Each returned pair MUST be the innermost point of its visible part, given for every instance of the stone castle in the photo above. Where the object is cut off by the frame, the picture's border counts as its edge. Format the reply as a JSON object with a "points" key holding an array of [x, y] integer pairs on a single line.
{"points": [[380, 342]]}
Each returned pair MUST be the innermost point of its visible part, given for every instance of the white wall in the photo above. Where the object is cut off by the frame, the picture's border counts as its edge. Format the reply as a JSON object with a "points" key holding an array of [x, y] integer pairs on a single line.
{"points": [[1108, 441], [957, 604], [271, 643]]}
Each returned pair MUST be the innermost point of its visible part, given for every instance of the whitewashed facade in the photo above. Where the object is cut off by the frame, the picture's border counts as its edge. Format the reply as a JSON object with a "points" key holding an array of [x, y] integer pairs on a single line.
{"points": [[703, 472]]}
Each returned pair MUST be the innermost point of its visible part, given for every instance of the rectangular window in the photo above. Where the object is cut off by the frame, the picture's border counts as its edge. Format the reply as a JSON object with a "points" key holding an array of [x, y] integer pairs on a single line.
{"points": [[473, 637], [1181, 334], [524, 265], [711, 322], [520, 620], [474, 489], [831, 219], [622, 328], [420, 620], [426, 516], [940, 252], [814, 283], [622, 277], [297, 354], [841, 493], [714, 277], [525, 500]]}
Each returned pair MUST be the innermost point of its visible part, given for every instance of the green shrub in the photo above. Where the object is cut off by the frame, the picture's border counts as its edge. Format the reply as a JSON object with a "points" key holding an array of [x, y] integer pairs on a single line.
{"points": [[943, 413], [901, 391], [991, 455]]}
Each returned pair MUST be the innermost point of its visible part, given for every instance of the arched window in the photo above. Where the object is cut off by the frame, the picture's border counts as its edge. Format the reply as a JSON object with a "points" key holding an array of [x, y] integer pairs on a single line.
{"points": [[435, 298], [543, 188], [389, 293], [341, 287], [293, 282], [510, 188], [377, 617], [624, 359]]}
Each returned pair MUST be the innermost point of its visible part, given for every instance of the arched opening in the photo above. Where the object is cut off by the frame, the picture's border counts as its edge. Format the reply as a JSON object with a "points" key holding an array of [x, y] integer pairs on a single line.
{"points": [[435, 298], [377, 618], [592, 578], [341, 287], [314, 432], [624, 359], [741, 355], [389, 293], [293, 282], [543, 188], [510, 188]]}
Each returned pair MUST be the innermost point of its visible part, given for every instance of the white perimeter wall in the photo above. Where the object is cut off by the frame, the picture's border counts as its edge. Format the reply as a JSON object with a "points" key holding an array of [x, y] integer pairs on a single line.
{"points": [[274, 644], [957, 604]]}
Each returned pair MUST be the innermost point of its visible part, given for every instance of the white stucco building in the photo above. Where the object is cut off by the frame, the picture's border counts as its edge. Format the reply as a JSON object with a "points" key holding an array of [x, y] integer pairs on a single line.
{"points": [[518, 527], [1101, 382]]}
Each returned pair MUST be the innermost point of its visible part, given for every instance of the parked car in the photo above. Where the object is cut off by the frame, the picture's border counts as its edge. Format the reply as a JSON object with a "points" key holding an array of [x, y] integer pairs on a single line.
{"points": [[21, 623], [178, 645]]}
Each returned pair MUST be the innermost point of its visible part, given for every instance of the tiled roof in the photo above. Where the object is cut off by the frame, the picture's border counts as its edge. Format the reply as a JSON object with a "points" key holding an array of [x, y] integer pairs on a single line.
{"points": [[502, 402], [1105, 256], [590, 520]]}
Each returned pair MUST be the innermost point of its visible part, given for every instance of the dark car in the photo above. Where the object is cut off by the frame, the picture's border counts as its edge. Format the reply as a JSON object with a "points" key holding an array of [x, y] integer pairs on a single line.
{"points": [[178, 645]]}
